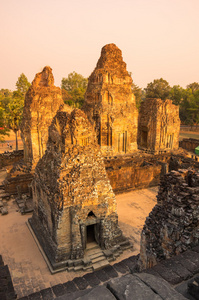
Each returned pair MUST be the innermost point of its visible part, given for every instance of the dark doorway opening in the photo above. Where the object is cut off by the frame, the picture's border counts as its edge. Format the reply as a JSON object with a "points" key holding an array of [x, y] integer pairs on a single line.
{"points": [[90, 233], [144, 135]]}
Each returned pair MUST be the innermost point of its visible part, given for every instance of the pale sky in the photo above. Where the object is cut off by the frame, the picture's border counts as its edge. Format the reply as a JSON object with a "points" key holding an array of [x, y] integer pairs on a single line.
{"points": [[158, 38]]}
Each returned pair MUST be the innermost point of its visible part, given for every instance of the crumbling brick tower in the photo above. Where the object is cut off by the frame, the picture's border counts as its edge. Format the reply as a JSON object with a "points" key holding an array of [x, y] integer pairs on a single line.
{"points": [[72, 193], [172, 227], [158, 125], [42, 101], [110, 103]]}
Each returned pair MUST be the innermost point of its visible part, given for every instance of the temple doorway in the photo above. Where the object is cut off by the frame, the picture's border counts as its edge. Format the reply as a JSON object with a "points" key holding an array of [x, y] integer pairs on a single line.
{"points": [[90, 233], [144, 135]]}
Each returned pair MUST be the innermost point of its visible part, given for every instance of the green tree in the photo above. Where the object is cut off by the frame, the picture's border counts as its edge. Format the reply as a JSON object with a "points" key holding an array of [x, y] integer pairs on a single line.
{"points": [[177, 94], [193, 86], [3, 129], [5, 97], [137, 91], [14, 109], [75, 84], [159, 88], [14, 115], [22, 85]]}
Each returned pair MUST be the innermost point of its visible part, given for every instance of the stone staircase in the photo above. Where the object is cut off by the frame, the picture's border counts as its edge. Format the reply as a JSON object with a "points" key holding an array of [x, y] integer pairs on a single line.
{"points": [[96, 256]]}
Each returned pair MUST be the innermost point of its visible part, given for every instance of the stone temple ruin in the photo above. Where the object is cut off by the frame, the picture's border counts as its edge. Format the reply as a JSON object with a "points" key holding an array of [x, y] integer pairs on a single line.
{"points": [[110, 103], [159, 125], [73, 198], [42, 101], [172, 226]]}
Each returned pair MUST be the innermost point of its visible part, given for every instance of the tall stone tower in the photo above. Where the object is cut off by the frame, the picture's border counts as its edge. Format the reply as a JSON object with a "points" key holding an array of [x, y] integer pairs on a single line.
{"points": [[159, 125], [72, 194], [110, 103], [42, 101]]}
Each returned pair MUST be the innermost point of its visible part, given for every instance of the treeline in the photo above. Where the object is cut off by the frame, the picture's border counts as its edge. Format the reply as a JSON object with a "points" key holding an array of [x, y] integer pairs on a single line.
{"points": [[73, 91], [187, 99]]}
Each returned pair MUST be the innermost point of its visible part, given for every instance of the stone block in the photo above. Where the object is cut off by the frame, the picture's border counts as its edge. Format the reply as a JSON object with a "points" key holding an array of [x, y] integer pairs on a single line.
{"points": [[70, 287], [131, 265], [35, 296], [177, 268], [121, 268], [130, 287], [47, 294], [92, 279], [98, 293], [193, 288], [110, 271], [80, 282], [160, 286], [101, 275], [4, 211], [167, 274], [58, 290]]}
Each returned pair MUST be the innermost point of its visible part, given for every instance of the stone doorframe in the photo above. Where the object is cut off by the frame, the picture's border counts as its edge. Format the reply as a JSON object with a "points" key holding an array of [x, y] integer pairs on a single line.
{"points": [[83, 230]]}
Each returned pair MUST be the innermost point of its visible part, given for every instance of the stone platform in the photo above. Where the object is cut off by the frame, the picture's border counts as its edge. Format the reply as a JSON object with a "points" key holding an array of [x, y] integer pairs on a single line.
{"points": [[170, 279], [94, 258]]}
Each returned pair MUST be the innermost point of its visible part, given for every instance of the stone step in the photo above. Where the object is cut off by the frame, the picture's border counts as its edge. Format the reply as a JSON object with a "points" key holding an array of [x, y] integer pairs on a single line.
{"points": [[94, 252], [78, 268], [91, 257], [92, 245], [100, 265], [98, 259], [88, 269]]}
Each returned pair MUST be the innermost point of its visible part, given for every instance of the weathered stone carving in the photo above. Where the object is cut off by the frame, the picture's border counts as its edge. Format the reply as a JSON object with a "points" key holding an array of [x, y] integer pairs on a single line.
{"points": [[173, 225], [71, 192], [159, 125], [110, 103], [42, 101]]}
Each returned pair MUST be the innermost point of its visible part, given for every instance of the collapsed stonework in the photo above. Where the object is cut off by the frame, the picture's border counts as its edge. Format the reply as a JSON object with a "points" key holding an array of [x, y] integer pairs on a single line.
{"points": [[173, 225], [42, 101], [158, 125], [110, 103], [72, 194]]}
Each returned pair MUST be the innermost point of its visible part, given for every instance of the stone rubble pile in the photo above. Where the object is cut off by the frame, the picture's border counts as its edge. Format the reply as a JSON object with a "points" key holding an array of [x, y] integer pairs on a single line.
{"points": [[173, 225]]}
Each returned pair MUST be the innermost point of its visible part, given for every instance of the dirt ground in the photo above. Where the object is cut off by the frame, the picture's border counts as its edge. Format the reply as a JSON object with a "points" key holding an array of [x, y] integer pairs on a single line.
{"points": [[27, 266], [11, 140], [188, 134]]}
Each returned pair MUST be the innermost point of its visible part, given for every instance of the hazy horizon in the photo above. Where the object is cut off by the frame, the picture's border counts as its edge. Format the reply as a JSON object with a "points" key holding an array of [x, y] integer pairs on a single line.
{"points": [[158, 38]]}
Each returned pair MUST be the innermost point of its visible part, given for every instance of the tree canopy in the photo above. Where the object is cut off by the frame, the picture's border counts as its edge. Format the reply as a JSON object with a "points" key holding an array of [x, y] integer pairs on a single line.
{"points": [[22, 85], [159, 88], [11, 106], [75, 85], [137, 91]]}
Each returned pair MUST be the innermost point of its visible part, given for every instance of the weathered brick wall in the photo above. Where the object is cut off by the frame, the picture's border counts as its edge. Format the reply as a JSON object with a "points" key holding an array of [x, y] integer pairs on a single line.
{"points": [[10, 158], [110, 103], [189, 144], [158, 125], [134, 172], [173, 225]]}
